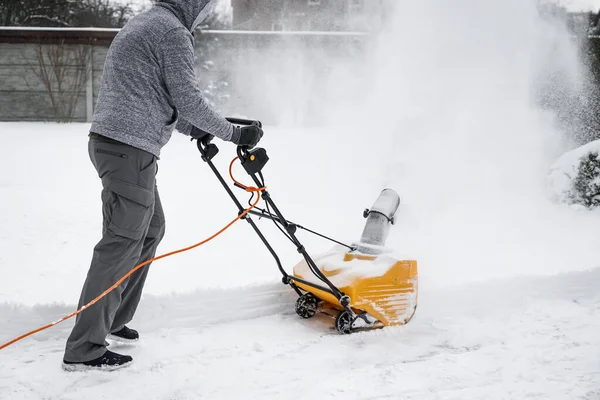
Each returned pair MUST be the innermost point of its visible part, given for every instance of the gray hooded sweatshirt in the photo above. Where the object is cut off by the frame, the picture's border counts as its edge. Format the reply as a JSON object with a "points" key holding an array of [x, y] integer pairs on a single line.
{"points": [[149, 86]]}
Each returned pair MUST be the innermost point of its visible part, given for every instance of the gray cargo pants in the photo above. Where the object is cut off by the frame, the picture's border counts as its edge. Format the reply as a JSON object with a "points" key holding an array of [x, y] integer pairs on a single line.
{"points": [[133, 226]]}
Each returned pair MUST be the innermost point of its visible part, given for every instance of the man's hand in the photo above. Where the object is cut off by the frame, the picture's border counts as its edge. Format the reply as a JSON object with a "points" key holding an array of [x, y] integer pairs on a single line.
{"points": [[247, 136], [201, 135]]}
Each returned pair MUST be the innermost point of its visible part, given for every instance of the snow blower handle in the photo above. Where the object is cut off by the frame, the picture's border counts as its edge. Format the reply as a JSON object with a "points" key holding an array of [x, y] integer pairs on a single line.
{"points": [[242, 150], [210, 150], [241, 121], [253, 160]]}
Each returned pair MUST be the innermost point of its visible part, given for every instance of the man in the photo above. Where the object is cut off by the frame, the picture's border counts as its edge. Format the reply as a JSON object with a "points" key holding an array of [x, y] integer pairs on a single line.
{"points": [[148, 89]]}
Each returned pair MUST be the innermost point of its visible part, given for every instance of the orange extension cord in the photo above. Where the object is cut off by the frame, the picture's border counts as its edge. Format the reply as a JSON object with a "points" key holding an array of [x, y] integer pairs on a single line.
{"points": [[110, 289]]}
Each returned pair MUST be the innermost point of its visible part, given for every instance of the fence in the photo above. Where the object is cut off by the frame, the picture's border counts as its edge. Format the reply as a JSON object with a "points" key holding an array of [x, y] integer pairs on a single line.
{"points": [[54, 74]]}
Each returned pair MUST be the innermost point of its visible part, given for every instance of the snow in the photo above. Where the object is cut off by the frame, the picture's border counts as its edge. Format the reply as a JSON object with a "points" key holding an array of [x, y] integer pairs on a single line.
{"points": [[348, 271], [580, 5]]}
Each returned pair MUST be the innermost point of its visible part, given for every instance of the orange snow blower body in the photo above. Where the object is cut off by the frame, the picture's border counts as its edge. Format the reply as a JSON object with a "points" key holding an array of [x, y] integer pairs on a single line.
{"points": [[382, 287], [389, 297]]}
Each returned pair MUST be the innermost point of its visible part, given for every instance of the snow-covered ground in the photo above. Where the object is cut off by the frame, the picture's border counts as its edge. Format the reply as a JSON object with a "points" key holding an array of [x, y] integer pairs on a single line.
{"points": [[509, 308], [510, 339]]}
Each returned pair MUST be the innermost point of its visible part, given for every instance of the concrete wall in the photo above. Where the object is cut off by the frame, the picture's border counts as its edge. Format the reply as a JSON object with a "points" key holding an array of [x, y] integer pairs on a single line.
{"points": [[23, 94], [239, 71]]}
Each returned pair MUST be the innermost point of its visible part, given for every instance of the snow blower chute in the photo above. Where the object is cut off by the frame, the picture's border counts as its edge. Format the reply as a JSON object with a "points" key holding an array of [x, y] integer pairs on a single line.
{"points": [[361, 285]]}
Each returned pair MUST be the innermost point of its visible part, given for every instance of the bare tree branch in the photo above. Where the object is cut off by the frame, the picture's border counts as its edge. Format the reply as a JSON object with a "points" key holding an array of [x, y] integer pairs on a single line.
{"points": [[64, 73], [97, 13], [47, 18]]}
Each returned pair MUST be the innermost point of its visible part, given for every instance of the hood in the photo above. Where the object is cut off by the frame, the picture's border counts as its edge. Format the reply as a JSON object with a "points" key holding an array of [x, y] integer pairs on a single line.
{"points": [[191, 13]]}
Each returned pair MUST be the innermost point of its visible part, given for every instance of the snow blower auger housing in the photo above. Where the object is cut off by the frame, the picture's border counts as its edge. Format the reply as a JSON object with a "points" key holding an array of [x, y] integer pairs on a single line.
{"points": [[363, 286], [382, 288]]}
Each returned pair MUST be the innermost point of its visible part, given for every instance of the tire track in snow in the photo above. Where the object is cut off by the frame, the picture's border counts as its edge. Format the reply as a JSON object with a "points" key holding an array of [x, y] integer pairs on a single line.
{"points": [[197, 309]]}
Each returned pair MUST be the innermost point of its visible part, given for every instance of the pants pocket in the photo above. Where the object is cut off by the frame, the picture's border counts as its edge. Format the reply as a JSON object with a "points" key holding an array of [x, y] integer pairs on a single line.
{"points": [[147, 174], [111, 153], [132, 210], [157, 223]]}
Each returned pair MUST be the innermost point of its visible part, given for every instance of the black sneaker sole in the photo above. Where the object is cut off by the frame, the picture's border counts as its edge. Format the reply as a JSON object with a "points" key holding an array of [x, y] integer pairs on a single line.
{"points": [[120, 339], [80, 367]]}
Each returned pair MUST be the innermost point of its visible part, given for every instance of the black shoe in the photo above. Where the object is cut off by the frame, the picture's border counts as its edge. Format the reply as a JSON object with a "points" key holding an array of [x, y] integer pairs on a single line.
{"points": [[108, 362], [125, 335]]}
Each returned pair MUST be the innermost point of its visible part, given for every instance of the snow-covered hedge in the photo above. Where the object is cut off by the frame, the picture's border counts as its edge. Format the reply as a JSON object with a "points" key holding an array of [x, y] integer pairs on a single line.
{"points": [[575, 177]]}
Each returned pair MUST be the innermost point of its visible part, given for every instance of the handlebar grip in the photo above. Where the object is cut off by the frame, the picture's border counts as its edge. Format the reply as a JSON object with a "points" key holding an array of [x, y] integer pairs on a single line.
{"points": [[241, 121]]}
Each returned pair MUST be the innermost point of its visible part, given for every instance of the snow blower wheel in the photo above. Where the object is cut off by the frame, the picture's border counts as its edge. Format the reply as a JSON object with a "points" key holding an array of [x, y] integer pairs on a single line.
{"points": [[306, 305], [344, 322]]}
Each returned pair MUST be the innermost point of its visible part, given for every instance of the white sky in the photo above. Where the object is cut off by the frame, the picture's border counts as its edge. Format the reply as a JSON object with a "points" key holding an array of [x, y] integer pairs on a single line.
{"points": [[577, 5]]}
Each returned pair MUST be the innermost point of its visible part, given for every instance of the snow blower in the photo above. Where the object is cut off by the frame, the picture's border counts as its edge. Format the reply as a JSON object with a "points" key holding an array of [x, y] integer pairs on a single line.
{"points": [[362, 286]]}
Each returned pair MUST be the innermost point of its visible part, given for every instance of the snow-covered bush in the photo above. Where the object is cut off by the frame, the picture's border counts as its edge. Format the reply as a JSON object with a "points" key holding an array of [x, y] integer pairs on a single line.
{"points": [[575, 177], [586, 186]]}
